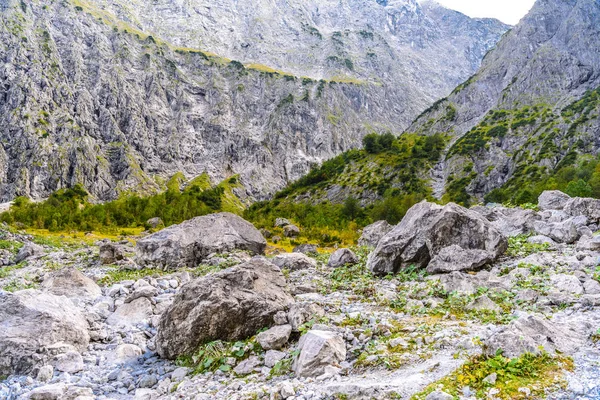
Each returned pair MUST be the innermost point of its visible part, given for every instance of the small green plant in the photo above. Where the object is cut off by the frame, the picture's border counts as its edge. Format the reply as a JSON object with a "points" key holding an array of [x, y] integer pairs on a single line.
{"points": [[519, 247], [218, 355]]}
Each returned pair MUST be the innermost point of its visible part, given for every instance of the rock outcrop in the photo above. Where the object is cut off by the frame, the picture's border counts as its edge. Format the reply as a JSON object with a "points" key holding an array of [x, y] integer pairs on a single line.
{"points": [[230, 305], [443, 239], [176, 106], [191, 242], [31, 321]]}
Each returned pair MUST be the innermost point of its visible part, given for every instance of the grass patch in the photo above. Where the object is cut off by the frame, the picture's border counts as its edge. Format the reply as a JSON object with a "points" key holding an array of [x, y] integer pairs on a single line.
{"points": [[536, 372], [118, 275], [6, 271]]}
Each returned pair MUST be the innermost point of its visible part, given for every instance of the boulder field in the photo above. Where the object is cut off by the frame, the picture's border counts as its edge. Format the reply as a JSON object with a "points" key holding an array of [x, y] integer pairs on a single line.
{"points": [[195, 311]]}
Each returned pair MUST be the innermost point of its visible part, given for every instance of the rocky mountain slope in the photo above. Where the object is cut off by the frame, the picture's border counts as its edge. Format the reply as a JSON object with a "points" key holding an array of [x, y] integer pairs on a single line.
{"points": [[530, 110], [88, 97]]}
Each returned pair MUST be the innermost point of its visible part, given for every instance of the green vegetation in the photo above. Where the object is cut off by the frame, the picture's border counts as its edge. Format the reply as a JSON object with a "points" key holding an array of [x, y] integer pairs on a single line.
{"points": [[536, 372], [519, 247], [219, 355], [70, 209], [392, 167]]}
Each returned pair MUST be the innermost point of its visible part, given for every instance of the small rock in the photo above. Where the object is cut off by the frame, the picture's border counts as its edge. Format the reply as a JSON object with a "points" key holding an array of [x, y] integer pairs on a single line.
{"points": [[274, 338], [342, 257], [45, 373]]}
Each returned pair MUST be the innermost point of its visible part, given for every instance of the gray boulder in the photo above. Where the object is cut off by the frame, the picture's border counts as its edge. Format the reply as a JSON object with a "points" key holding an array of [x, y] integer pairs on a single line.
{"points": [[291, 231], [191, 242], [509, 221], [230, 305], [294, 261], [427, 229], [552, 200], [587, 207], [372, 234], [529, 333], [306, 249], [561, 232], [439, 395], [274, 338], [318, 350], [110, 253], [30, 322], [70, 282], [281, 222], [27, 251], [342, 257]]}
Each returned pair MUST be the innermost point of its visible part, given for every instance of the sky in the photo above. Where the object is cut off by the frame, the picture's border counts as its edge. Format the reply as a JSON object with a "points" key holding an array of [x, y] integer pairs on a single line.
{"points": [[507, 11]]}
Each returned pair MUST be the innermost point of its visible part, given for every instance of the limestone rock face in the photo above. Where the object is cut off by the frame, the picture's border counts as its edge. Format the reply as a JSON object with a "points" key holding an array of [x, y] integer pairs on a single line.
{"points": [[172, 109], [229, 305], [30, 321], [532, 92], [189, 243], [443, 239]]}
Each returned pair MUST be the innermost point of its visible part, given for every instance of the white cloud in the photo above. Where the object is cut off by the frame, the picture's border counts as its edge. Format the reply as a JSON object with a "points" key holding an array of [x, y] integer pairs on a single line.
{"points": [[507, 11]]}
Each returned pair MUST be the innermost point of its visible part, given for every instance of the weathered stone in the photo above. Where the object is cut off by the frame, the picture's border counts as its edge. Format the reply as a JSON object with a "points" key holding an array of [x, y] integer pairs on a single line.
{"points": [[45, 373], [529, 333], [342, 257], [110, 253], [142, 291], [294, 261], [562, 232], [566, 283], [30, 321], [272, 357], [591, 286], [590, 208], [70, 282], [307, 249], [552, 200], [247, 366], [318, 349], [455, 258], [27, 251], [131, 314], [126, 353], [427, 229], [229, 305], [281, 222], [70, 362], [483, 303], [191, 242], [274, 338], [301, 313], [291, 231], [372, 234]]}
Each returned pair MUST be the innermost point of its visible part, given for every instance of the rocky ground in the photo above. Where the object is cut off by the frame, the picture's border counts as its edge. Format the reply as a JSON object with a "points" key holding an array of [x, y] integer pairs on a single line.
{"points": [[90, 322]]}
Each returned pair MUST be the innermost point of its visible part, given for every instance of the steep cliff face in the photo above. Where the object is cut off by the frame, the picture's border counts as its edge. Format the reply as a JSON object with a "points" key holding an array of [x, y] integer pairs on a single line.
{"points": [[86, 97], [530, 108]]}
